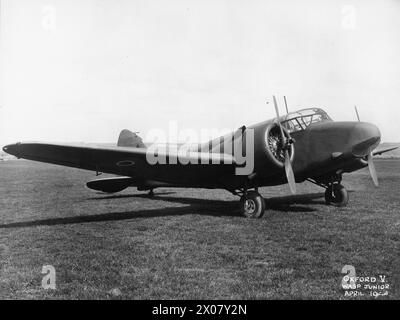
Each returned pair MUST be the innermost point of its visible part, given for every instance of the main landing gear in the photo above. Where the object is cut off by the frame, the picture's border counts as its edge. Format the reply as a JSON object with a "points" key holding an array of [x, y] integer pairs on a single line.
{"points": [[335, 193], [252, 204]]}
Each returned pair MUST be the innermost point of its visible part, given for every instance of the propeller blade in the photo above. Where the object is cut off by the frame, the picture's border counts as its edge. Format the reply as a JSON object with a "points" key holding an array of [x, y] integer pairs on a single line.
{"points": [[372, 170], [370, 158], [287, 109], [288, 165], [289, 173], [358, 116], [277, 118]]}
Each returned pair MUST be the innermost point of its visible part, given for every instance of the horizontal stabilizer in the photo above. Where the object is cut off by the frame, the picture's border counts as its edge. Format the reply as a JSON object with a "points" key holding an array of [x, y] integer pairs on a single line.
{"points": [[130, 139], [110, 185]]}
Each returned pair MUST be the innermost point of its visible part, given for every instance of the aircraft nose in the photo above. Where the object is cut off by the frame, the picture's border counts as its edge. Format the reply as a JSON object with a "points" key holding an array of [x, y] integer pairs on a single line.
{"points": [[367, 137], [11, 149]]}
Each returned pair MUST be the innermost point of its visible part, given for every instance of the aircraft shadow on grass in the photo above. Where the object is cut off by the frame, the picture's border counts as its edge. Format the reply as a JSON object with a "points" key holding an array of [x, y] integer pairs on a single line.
{"points": [[218, 208]]}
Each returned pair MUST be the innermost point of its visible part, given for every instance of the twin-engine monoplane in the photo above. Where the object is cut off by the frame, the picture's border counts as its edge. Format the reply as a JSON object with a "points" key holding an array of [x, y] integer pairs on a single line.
{"points": [[305, 145]]}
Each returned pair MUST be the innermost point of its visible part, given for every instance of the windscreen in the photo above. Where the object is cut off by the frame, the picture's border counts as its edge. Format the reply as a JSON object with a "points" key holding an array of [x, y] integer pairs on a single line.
{"points": [[300, 120]]}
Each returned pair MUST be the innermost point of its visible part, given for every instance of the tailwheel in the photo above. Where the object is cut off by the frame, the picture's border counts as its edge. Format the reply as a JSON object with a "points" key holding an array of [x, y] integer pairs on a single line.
{"points": [[252, 205], [151, 193], [336, 195]]}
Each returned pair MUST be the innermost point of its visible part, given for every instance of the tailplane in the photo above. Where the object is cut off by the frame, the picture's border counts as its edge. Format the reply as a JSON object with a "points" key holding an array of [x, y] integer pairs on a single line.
{"points": [[130, 139]]}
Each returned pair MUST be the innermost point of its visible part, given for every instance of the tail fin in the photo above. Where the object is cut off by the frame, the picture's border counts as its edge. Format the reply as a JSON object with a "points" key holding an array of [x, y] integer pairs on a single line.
{"points": [[130, 139]]}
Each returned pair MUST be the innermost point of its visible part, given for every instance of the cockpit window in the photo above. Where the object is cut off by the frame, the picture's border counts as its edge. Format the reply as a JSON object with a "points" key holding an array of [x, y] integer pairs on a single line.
{"points": [[300, 120]]}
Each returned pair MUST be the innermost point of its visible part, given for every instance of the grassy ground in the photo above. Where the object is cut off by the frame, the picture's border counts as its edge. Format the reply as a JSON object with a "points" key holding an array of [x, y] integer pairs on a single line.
{"points": [[191, 243]]}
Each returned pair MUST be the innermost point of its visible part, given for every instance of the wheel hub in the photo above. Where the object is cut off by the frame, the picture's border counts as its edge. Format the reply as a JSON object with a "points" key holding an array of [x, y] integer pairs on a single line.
{"points": [[250, 206]]}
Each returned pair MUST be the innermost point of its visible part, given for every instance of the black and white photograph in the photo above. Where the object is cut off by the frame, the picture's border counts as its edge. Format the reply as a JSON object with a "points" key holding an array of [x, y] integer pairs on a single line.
{"points": [[218, 152]]}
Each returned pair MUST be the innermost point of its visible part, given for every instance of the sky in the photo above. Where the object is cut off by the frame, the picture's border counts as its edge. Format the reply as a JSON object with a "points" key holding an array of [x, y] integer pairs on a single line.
{"points": [[75, 71]]}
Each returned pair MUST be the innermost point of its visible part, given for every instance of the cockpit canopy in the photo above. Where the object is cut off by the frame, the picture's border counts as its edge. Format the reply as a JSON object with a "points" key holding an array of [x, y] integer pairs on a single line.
{"points": [[300, 120]]}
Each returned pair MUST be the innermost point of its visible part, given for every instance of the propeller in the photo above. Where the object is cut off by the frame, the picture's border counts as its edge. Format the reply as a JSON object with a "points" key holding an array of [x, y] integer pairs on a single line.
{"points": [[358, 116], [372, 170], [286, 143], [287, 109], [370, 160]]}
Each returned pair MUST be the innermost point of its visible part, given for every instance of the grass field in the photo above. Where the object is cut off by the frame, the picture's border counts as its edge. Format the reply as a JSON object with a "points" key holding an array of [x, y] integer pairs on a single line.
{"points": [[191, 243]]}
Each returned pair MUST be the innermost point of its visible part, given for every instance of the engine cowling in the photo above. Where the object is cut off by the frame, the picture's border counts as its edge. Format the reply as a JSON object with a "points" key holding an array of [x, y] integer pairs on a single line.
{"points": [[270, 158], [273, 145]]}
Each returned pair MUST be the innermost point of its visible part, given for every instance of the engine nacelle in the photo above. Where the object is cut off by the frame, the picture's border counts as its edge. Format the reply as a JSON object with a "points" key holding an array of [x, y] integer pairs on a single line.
{"points": [[274, 145], [110, 185]]}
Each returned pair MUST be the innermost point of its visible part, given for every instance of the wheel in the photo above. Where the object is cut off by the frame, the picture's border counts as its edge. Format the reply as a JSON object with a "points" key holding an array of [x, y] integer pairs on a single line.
{"points": [[337, 195], [252, 205]]}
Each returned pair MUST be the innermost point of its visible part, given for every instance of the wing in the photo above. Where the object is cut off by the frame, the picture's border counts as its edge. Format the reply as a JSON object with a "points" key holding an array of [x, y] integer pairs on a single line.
{"points": [[379, 152], [131, 162]]}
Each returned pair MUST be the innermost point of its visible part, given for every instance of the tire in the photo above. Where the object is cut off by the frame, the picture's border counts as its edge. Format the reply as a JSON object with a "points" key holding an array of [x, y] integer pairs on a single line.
{"points": [[337, 196], [252, 205]]}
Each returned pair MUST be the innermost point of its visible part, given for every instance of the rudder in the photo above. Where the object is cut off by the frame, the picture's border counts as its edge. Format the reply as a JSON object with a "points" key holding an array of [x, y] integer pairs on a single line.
{"points": [[128, 138]]}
